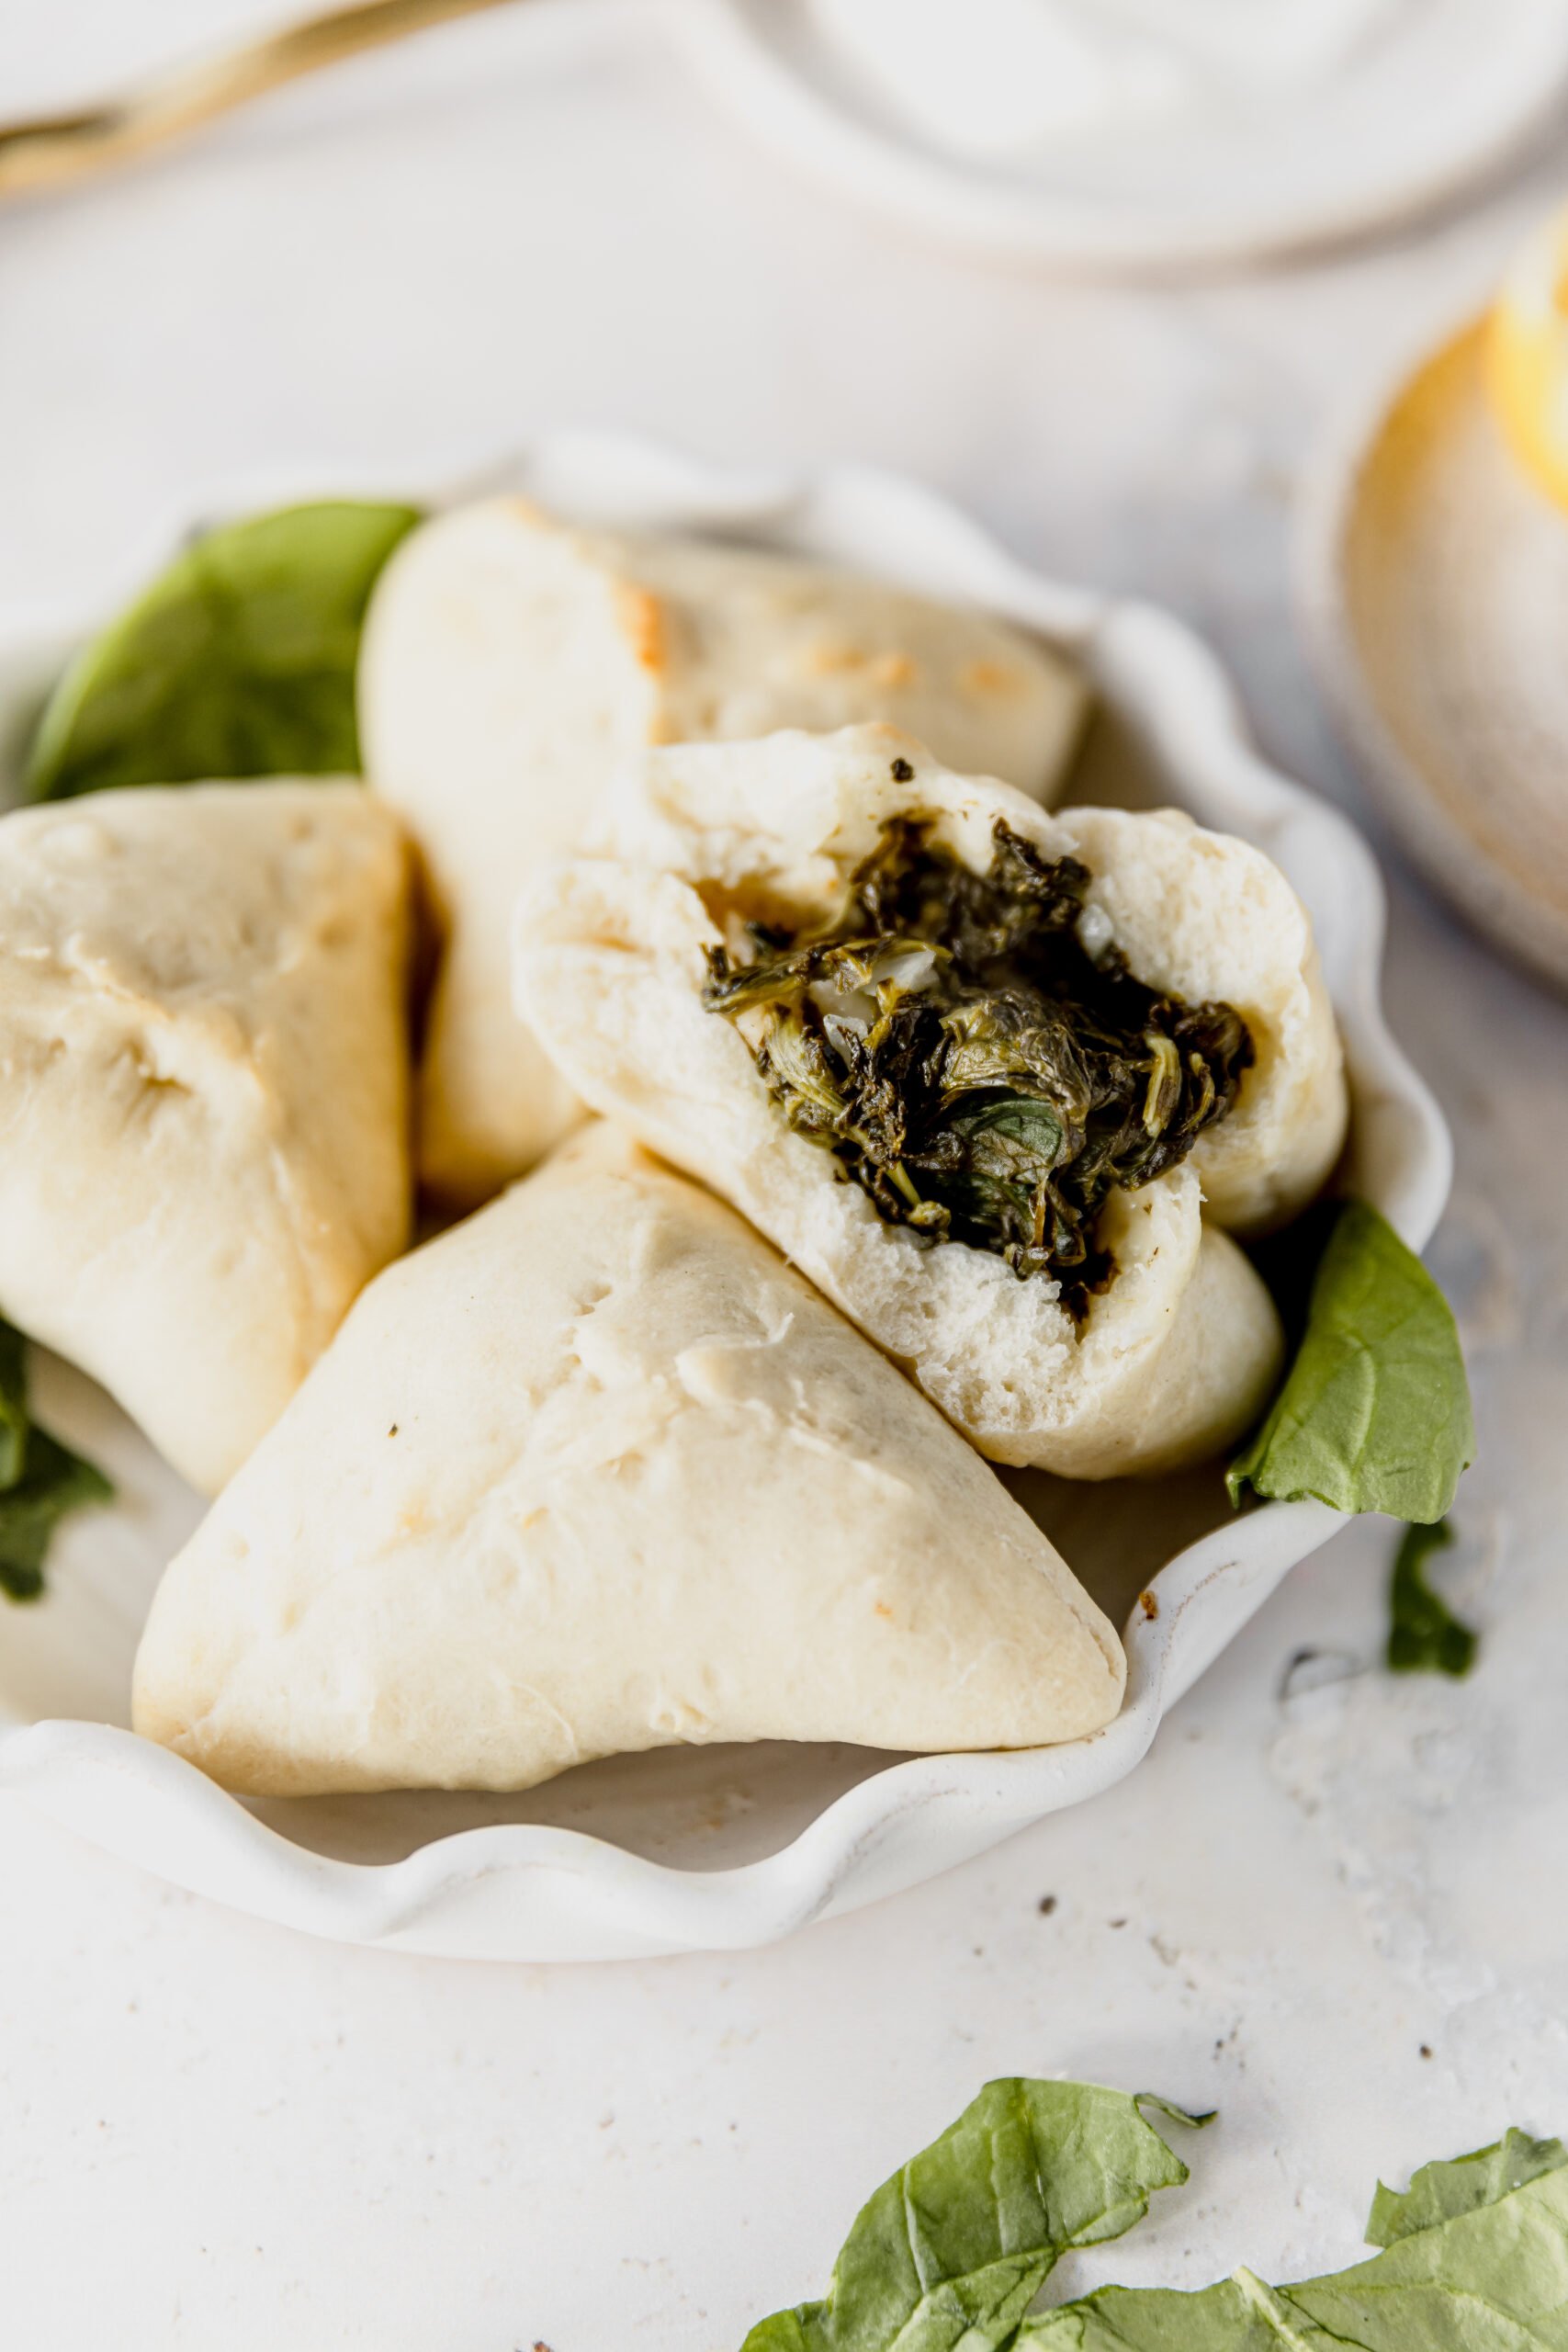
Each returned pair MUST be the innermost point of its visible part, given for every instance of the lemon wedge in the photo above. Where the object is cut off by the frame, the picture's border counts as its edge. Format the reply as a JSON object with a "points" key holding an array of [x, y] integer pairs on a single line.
{"points": [[1527, 357]]}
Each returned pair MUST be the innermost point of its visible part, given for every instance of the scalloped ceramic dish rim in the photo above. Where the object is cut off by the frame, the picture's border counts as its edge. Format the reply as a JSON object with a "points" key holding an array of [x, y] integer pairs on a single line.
{"points": [[526, 1891]]}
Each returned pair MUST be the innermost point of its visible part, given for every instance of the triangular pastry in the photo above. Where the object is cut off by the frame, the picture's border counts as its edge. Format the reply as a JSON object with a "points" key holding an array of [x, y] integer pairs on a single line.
{"points": [[203, 1091], [510, 662], [742, 851], [595, 1472]]}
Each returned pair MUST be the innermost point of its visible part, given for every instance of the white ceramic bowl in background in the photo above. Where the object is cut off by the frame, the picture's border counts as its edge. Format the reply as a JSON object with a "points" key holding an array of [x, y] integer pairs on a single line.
{"points": [[1433, 576], [1444, 93], [727, 1847]]}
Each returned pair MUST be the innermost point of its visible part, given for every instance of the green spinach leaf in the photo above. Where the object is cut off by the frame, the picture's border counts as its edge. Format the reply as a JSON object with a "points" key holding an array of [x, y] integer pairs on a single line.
{"points": [[41, 1480], [54, 1482], [951, 2251], [13, 1405], [1475, 2260], [1374, 1413], [1441, 2191], [238, 660], [1424, 1634]]}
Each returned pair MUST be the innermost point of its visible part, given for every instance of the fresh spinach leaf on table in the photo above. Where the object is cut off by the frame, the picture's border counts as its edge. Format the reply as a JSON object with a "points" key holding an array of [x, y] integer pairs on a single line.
{"points": [[238, 660], [41, 1480], [950, 2251], [1476, 2259], [953, 2250], [1440, 2191], [1374, 1412], [1424, 1634]]}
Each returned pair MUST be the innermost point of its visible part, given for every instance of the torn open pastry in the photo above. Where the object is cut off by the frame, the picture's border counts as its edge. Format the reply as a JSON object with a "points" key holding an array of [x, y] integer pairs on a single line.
{"points": [[971, 1065], [510, 663], [203, 1091], [596, 1472]]}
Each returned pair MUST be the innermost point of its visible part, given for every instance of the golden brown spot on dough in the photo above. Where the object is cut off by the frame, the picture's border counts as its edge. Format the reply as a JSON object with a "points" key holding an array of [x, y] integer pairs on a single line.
{"points": [[641, 619], [1149, 1603], [414, 1520], [831, 657], [892, 670], [884, 1611], [822, 660], [991, 678]]}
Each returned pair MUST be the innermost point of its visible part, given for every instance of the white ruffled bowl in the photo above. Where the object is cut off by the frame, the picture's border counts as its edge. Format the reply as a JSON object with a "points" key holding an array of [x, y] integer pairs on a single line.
{"points": [[725, 1847]]}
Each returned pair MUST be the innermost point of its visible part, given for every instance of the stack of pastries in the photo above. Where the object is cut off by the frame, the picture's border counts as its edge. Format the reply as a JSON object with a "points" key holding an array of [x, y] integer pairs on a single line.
{"points": [[818, 1119]]}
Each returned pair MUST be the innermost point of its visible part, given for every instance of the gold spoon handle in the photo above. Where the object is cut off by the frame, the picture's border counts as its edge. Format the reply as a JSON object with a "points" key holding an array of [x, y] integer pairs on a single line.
{"points": [[58, 148]]}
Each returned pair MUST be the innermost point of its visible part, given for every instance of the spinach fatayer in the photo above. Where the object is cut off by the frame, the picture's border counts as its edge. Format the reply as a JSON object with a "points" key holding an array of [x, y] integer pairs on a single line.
{"points": [[511, 661], [203, 1114], [594, 1471], [979, 1073], [1138, 1000]]}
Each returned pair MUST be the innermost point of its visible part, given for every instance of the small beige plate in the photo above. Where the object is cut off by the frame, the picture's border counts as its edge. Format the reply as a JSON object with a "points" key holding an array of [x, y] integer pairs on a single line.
{"points": [[1436, 584]]}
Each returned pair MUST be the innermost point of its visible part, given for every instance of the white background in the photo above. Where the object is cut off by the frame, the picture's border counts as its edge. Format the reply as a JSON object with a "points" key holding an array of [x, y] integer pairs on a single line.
{"points": [[219, 2135]]}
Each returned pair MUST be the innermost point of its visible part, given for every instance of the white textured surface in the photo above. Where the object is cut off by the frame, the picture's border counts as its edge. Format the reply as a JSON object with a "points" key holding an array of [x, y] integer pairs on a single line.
{"points": [[217, 2132]]}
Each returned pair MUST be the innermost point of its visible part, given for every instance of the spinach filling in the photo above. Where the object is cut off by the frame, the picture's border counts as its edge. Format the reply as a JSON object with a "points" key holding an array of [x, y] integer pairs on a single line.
{"points": [[981, 1064]]}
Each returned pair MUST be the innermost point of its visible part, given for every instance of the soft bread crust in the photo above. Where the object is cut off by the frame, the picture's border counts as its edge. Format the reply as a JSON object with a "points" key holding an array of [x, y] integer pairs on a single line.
{"points": [[203, 1091], [609, 969], [1206, 915], [596, 1472], [511, 663]]}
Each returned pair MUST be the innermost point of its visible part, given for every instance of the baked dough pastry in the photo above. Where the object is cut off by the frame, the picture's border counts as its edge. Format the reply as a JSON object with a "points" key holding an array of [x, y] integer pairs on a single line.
{"points": [[596, 1472], [1175, 1357], [203, 1091], [509, 664]]}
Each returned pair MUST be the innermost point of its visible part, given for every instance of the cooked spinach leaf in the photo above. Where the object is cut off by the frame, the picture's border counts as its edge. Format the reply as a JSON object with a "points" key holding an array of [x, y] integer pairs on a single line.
{"points": [[980, 1072], [1374, 1412], [238, 660], [41, 1480], [951, 2251], [1424, 1634], [1475, 2260]]}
